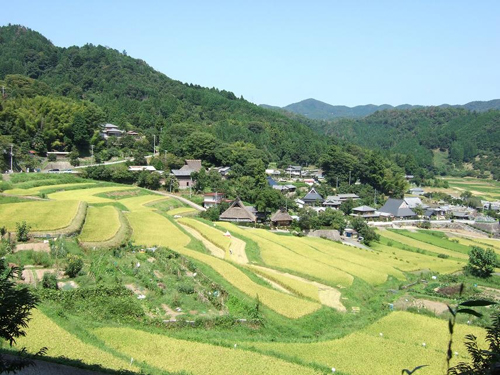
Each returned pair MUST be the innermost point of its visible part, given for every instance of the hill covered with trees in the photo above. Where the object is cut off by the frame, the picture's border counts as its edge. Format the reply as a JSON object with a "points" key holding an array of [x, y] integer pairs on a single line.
{"points": [[459, 137]]}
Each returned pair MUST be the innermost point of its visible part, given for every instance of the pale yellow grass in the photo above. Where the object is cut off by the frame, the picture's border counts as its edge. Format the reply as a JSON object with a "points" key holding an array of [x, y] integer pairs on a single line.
{"points": [[275, 255], [101, 224], [177, 355], [284, 304], [43, 332], [40, 215], [88, 195]]}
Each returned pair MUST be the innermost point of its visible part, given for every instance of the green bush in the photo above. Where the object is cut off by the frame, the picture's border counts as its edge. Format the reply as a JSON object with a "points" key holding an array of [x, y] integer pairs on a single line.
{"points": [[482, 262], [49, 281], [51, 157], [23, 230], [74, 266]]}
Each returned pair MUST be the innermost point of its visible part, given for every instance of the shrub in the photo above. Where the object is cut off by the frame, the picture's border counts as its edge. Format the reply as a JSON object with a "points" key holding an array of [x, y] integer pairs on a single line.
{"points": [[51, 157], [49, 281], [74, 266], [23, 230]]}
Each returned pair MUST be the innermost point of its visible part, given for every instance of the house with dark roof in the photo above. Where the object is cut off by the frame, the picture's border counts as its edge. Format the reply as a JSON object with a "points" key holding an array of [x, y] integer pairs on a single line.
{"points": [[238, 213], [281, 218], [313, 198], [343, 197], [183, 175], [332, 202], [366, 212], [397, 208]]}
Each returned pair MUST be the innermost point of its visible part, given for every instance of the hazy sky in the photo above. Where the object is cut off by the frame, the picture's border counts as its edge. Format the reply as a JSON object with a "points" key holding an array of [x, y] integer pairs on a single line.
{"points": [[281, 52]]}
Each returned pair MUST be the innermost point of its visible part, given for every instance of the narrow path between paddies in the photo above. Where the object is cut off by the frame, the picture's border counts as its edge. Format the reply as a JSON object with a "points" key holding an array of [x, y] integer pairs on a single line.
{"points": [[214, 250], [328, 296]]}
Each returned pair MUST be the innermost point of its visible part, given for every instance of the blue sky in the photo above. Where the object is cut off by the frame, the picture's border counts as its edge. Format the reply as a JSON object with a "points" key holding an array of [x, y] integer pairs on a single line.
{"points": [[281, 52]]}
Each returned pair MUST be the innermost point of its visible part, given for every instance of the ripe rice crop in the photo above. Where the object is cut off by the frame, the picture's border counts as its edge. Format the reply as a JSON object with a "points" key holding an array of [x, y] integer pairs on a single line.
{"points": [[385, 347], [421, 245], [176, 355], [44, 332], [277, 256], [150, 228], [87, 195], [41, 215], [284, 304], [101, 224], [213, 235]]}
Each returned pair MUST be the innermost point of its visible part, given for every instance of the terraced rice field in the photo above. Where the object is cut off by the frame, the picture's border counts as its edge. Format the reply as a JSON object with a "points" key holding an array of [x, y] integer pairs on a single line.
{"points": [[194, 357], [406, 239], [87, 195], [487, 189], [41, 215], [101, 224], [284, 304], [389, 345], [142, 203], [275, 255], [64, 344]]}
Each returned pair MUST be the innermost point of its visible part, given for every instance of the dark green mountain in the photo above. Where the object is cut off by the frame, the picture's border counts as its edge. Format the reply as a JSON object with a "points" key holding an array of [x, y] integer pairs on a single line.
{"points": [[190, 120], [456, 134], [315, 109]]}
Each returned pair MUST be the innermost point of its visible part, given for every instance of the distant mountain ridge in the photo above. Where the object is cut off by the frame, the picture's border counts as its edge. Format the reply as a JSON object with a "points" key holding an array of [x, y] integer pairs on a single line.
{"points": [[318, 110]]}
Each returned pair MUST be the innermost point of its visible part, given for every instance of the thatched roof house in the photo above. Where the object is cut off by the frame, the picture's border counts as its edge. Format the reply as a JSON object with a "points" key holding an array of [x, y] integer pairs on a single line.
{"points": [[237, 212], [281, 218]]}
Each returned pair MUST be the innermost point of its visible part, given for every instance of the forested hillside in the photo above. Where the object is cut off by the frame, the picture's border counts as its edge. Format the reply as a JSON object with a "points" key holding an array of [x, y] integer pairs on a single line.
{"points": [[457, 134], [132, 95]]}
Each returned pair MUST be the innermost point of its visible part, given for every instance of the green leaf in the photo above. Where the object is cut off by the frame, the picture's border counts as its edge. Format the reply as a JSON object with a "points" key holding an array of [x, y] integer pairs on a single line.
{"points": [[479, 302], [469, 311], [451, 310]]}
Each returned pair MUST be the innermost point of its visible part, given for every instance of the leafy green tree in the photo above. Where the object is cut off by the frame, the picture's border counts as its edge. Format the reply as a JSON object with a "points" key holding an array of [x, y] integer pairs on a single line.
{"points": [[49, 281], [16, 303], [481, 263], [347, 206], [74, 157]]}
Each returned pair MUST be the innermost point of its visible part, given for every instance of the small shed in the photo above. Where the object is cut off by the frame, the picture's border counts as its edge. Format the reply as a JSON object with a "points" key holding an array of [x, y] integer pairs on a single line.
{"points": [[281, 218]]}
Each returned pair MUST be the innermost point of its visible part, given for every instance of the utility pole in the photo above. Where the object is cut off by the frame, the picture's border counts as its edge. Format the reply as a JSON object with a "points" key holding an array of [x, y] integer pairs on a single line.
{"points": [[154, 144], [375, 197], [92, 150], [349, 178], [3, 92], [337, 183], [11, 155]]}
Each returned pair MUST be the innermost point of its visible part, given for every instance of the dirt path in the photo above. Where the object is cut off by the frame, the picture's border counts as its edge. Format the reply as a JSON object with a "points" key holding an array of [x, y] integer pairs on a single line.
{"points": [[328, 296], [214, 250], [184, 200], [237, 251], [274, 284]]}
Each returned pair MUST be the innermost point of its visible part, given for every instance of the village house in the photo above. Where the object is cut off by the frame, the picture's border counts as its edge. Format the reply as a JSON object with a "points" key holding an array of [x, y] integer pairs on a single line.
{"points": [[332, 202], [397, 208], [365, 212], [281, 218], [343, 197], [139, 168], [294, 170], [417, 191], [238, 213], [313, 198], [183, 175], [213, 199], [110, 130]]}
